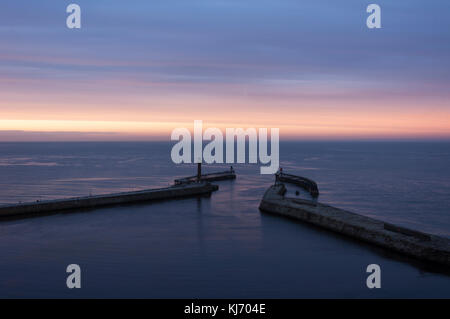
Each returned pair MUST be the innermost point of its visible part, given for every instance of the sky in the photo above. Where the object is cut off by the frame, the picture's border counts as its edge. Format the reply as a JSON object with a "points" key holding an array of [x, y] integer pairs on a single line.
{"points": [[138, 69]]}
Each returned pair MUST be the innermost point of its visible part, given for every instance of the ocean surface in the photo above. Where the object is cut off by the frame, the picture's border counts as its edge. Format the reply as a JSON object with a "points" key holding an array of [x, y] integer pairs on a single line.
{"points": [[221, 246]]}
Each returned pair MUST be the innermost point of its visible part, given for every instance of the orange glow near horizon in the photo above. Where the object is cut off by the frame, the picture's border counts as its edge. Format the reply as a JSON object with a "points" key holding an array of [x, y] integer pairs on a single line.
{"points": [[312, 125], [124, 114]]}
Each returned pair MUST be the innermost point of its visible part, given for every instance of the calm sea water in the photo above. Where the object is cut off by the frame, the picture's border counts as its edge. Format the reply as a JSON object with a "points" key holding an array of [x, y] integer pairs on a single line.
{"points": [[220, 246]]}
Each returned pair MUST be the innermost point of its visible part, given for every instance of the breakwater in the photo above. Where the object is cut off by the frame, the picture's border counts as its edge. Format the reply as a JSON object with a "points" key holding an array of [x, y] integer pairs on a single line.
{"points": [[88, 202], [416, 244]]}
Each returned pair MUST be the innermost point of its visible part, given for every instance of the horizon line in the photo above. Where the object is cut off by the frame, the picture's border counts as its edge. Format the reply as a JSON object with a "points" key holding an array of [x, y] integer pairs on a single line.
{"points": [[368, 139]]}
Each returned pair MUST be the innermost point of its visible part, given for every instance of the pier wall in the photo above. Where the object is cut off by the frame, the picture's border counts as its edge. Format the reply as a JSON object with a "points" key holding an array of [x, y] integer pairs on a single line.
{"points": [[413, 243], [46, 207]]}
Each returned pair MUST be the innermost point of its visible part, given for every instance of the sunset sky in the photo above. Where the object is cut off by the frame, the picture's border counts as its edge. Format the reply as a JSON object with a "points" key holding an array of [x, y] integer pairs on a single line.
{"points": [[138, 69]]}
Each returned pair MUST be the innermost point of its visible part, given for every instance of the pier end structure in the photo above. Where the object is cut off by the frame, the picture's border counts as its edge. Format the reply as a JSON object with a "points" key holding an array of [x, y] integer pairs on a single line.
{"points": [[89, 202], [211, 177], [409, 242], [303, 182]]}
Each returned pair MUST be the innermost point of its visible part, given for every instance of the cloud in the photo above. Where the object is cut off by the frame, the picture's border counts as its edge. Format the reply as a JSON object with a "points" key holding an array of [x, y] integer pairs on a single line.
{"points": [[156, 55]]}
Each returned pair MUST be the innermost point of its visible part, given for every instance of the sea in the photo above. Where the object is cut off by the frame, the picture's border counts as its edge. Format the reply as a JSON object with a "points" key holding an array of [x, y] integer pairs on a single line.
{"points": [[220, 246]]}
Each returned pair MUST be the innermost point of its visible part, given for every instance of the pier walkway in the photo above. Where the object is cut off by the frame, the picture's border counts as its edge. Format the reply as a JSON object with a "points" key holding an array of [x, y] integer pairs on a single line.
{"points": [[403, 240], [50, 206]]}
